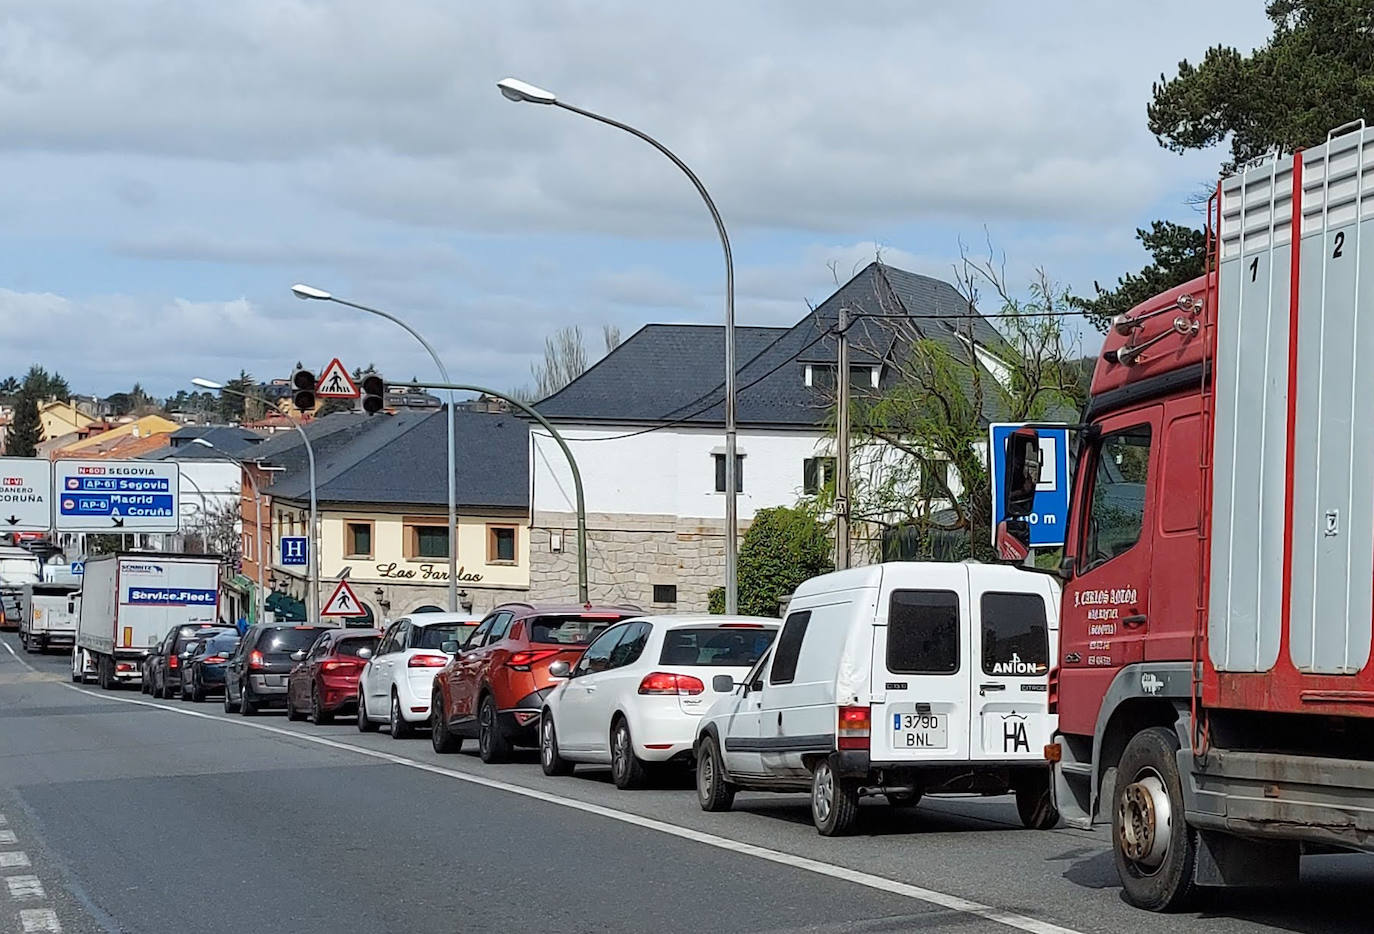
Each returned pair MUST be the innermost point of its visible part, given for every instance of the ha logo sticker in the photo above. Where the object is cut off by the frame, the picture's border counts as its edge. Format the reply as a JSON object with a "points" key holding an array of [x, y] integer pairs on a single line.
{"points": [[1150, 683]]}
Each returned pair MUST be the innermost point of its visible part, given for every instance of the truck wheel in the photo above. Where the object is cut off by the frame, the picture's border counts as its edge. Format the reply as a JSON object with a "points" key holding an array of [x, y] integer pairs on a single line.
{"points": [[105, 666], [1033, 801], [29, 645], [78, 666], [834, 801], [1154, 848]]}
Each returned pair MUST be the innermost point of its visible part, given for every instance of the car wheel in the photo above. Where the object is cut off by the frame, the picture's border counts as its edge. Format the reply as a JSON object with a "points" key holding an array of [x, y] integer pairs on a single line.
{"points": [[552, 763], [440, 736], [229, 705], [365, 724], [291, 712], [626, 768], [185, 689], [714, 793], [834, 801], [197, 692], [247, 706], [1154, 849], [492, 746], [904, 799], [1033, 801], [317, 712], [399, 728]]}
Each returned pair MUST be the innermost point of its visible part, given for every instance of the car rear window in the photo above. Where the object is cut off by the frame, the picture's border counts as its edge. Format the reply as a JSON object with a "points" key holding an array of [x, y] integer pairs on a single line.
{"points": [[1015, 640], [923, 632], [712, 645], [186, 635], [355, 644], [434, 636], [571, 629], [288, 639], [221, 645]]}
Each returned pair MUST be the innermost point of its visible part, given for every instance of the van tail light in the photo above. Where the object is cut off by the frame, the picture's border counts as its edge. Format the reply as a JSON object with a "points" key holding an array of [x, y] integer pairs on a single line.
{"points": [[255, 659], [1053, 696], [853, 728], [427, 661], [662, 682], [172, 661], [521, 661]]}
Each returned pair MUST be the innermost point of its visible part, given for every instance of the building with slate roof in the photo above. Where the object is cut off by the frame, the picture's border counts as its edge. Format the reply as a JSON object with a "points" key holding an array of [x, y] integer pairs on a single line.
{"points": [[383, 504], [646, 425]]}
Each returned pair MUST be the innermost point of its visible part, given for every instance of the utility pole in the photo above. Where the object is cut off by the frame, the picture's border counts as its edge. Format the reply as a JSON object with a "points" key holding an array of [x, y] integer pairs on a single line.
{"points": [[842, 446]]}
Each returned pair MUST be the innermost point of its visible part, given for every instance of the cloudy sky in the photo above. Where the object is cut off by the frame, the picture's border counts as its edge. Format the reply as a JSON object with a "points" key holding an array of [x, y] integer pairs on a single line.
{"points": [[169, 169]]}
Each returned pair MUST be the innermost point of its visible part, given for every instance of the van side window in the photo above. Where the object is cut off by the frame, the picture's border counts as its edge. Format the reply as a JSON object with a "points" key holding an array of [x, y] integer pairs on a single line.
{"points": [[923, 632], [1117, 510], [789, 648], [1015, 640]]}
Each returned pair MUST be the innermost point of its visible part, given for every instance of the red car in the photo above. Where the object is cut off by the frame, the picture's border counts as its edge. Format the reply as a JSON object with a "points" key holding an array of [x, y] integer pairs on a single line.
{"points": [[325, 681], [494, 688]]}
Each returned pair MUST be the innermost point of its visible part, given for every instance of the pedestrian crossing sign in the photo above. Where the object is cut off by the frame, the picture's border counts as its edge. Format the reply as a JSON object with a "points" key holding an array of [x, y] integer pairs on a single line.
{"points": [[343, 602], [335, 383]]}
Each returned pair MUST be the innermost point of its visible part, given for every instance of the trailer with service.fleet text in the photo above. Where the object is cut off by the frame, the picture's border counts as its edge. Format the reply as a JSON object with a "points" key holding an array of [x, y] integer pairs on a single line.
{"points": [[130, 600]]}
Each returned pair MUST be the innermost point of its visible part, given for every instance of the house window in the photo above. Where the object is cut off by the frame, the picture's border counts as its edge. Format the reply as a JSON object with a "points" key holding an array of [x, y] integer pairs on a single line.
{"points": [[358, 540], [934, 479], [817, 474], [665, 593], [500, 544], [426, 541], [720, 472]]}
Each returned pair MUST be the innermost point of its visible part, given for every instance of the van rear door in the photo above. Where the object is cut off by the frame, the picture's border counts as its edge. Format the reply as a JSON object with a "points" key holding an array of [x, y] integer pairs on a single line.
{"points": [[1013, 634], [920, 708]]}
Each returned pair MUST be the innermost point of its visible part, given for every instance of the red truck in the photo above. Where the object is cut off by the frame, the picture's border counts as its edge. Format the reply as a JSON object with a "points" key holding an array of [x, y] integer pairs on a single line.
{"points": [[1214, 687]]}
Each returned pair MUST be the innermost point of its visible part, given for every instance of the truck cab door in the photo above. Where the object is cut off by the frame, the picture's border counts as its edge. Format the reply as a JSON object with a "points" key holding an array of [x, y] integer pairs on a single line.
{"points": [[1106, 606]]}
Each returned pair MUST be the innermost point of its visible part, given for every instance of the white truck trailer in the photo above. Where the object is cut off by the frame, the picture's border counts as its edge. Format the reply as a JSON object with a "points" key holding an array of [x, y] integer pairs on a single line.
{"points": [[130, 600], [49, 614]]}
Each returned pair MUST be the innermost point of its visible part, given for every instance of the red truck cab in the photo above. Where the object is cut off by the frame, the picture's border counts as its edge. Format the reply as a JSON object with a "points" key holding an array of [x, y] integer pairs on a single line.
{"points": [[1214, 686]]}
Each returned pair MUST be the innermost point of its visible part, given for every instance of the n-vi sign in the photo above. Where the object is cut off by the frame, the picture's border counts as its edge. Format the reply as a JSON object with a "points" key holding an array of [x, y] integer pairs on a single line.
{"points": [[1048, 519], [25, 494], [117, 496]]}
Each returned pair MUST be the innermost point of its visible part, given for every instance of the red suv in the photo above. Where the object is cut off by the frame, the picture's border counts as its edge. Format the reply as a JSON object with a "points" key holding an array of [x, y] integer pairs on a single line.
{"points": [[494, 687]]}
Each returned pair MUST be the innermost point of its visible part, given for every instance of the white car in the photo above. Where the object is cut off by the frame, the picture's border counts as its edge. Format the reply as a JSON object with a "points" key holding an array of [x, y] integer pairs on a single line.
{"points": [[636, 694], [397, 681]]}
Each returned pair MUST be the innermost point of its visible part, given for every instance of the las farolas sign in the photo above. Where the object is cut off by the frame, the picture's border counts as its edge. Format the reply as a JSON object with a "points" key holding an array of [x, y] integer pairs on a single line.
{"points": [[425, 572]]}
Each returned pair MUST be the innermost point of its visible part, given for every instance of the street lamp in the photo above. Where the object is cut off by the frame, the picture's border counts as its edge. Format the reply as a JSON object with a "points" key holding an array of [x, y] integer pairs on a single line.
{"points": [[314, 587], [306, 293], [257, 509], [522, 92]]}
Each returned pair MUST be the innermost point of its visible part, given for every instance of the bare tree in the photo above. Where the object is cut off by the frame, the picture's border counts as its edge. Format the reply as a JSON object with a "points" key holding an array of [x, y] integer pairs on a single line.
{"points": [[216, 531], [610, 336]]}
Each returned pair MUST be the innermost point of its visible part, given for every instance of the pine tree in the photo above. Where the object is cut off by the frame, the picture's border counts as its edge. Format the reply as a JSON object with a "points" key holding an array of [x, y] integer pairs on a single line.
{"points": [[26, 431]]}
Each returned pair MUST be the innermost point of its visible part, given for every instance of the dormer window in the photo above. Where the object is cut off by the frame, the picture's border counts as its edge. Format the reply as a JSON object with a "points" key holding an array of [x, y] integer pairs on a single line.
{"points": [[861, 376]]}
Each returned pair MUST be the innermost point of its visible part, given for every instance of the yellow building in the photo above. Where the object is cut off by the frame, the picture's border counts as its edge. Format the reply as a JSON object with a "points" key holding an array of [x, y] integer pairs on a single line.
{"points": [[61, 418], [93, 443]]}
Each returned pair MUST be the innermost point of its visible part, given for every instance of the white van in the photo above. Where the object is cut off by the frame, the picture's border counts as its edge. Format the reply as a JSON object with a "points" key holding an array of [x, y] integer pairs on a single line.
{"points": [[896, 679]]}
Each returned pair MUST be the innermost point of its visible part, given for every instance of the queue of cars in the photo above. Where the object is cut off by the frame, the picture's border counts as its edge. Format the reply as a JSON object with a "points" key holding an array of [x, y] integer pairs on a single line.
{"points": [[894, 680]]}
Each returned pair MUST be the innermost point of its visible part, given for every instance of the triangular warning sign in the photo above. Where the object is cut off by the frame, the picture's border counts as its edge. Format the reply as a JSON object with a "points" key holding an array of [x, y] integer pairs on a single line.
{"points": [[343, 602], [335, 383]]}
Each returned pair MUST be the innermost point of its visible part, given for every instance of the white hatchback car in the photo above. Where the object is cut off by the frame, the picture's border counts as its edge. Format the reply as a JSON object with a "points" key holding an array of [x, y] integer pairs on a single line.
{"points": [[636, 694], [396, 684]]}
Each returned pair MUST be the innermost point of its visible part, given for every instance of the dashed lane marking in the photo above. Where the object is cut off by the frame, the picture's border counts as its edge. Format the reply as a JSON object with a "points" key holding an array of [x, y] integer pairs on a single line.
{"points": [[7, 837], [40, 921], [954, 903], [14, 859], [24, 888]]}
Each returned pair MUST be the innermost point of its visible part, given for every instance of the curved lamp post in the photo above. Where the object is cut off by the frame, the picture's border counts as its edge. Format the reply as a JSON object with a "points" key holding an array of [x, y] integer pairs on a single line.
{"points": [[522, 92], [572, 464], [313, 611], [306, 293]]}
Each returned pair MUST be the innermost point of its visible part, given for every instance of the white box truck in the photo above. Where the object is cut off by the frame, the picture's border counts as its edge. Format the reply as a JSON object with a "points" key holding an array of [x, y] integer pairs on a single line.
{"points": [[130, 600], [17, 568], [49, 616]]}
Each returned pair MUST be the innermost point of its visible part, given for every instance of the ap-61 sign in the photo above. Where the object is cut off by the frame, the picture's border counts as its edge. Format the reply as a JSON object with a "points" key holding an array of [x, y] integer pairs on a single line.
{"points": [[117, 496]]}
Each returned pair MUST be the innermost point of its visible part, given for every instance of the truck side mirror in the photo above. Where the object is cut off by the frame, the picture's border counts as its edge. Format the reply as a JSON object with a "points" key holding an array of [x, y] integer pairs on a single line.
{"points": [[1022, 473]]}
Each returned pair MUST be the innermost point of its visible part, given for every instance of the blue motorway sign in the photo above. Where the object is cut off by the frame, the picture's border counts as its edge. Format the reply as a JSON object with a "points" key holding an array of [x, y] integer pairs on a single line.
{"points": [[1048, 522], [295, 551], [116, 496]]}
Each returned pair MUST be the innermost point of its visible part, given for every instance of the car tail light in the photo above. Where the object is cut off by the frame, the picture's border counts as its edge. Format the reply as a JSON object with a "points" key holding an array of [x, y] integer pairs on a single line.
{"points": [[172, 661], [662, 682], [255, 659], [853, 729], [521, 661], [334, 664], [427, 661], [1053, 696], [214, 660]]}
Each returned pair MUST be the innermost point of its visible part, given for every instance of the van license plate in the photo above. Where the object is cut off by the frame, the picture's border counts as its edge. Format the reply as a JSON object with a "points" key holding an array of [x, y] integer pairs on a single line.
{"points": [[920, 731]]}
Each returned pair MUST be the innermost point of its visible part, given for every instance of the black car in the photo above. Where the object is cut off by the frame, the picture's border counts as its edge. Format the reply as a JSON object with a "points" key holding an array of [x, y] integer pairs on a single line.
{"points": [[162, 667], [202, 671], [257, 671]]}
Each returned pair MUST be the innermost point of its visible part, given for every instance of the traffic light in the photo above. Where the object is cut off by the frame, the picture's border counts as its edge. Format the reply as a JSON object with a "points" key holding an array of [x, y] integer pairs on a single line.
{"points": [[303, 390], [374, 393]]}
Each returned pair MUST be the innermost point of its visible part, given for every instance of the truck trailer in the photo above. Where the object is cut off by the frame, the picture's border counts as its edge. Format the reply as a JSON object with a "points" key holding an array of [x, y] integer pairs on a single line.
{"points": [[131, 600], [49, 614], [1214, 687]]}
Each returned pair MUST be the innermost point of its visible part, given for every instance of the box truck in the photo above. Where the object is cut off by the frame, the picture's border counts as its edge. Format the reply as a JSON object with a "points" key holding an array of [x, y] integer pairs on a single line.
{"points": [[1214, 688], [48, 616], [129, 601], [17, 568]]}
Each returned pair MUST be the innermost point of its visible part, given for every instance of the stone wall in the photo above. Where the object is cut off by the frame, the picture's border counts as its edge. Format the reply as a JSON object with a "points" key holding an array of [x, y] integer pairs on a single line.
{"points": [[626, 556]]}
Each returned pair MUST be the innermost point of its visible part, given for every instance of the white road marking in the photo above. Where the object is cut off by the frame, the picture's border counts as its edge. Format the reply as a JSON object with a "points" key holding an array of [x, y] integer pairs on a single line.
{"points": [[8, 837], [40, 921], [3, 820], [1011, 919], [14, 859], [23, 888]]}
